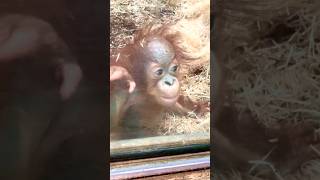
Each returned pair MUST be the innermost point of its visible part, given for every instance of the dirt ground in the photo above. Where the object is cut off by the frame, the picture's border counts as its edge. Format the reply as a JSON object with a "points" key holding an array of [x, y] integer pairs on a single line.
{"points": [[129, 15]]}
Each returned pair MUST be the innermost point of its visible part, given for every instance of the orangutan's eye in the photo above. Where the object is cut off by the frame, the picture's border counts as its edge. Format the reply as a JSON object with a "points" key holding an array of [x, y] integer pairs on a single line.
{"points": [[174, 68], [159, 72]]}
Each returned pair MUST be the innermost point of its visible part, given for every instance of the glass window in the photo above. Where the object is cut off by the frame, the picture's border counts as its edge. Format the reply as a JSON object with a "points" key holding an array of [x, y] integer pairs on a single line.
{"points": [[159, 77]]}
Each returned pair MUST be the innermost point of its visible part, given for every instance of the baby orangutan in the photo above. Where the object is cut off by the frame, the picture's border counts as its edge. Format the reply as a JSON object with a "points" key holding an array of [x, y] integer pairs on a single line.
{"points": [[152, 62]]}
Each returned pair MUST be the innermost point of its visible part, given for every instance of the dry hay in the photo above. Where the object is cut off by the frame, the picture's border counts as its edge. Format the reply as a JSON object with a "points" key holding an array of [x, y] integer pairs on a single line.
{"points": [[278, 76], [274, 66], [190, 18], [129, 15]]}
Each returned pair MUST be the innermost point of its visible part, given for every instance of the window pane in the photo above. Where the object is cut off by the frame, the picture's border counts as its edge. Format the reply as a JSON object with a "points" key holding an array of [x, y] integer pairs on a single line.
{"points": [[160, 73]]}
